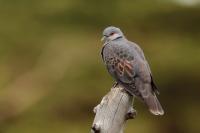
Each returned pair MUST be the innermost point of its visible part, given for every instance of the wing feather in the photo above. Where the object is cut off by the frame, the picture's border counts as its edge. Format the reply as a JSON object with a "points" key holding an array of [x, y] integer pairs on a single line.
{"points": [[124, 71]]}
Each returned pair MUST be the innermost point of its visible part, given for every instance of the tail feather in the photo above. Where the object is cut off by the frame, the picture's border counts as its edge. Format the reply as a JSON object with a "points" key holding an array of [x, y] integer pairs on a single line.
{"points": [[154, 105]]}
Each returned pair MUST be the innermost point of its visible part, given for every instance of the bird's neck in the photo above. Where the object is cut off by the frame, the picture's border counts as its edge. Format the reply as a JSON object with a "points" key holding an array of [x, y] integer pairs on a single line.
{"points": [[119, 38]]}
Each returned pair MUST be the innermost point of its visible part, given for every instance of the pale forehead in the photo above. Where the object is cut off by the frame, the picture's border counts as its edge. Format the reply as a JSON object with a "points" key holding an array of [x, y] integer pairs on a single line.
{"points": [[111, 29]]}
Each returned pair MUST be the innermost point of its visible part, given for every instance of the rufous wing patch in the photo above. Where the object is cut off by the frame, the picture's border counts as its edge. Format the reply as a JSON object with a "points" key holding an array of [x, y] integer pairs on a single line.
{"points": [[124, 67]]}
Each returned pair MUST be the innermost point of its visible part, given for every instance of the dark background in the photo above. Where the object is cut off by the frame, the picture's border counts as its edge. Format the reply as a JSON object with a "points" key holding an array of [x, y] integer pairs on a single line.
{"points": [[52, 75]]}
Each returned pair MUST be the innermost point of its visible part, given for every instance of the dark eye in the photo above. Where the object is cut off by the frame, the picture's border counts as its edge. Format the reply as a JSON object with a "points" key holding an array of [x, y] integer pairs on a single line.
{"points": [[112, 33]]}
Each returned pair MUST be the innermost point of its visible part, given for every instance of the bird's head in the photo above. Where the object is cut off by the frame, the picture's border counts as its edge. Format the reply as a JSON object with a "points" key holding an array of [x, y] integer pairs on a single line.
{"points": [[111, 33]]}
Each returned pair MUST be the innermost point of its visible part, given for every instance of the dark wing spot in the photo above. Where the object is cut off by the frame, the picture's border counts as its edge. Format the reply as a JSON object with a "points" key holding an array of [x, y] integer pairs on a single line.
{"points": [[125, 55], [130, 58]]}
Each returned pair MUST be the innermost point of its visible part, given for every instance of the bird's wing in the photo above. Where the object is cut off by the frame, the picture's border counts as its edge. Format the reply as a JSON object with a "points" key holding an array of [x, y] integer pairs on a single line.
{"points": [[102, 56], [141, 54], [102, 52], [121, 67], [124, 70]]}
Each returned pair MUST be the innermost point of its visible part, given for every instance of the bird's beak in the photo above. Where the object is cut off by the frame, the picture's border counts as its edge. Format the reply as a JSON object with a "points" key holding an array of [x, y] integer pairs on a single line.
{"points": [[103, 38]]}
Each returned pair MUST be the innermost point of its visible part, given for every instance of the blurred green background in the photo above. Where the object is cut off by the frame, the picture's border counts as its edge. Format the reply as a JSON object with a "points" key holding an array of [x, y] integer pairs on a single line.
{"points": [[52, 75]]}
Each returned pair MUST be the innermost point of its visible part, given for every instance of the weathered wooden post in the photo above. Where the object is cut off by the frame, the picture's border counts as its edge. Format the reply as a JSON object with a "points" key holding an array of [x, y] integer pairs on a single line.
{"points": [[113, 111]]}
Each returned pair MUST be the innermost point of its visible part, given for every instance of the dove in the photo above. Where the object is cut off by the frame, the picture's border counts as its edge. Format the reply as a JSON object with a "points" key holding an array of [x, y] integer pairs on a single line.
{"points": [[126, 63]]}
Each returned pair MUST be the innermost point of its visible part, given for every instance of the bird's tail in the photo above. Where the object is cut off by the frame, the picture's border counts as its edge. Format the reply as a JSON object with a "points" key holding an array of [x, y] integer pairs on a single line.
{"points": [[154, 105]]}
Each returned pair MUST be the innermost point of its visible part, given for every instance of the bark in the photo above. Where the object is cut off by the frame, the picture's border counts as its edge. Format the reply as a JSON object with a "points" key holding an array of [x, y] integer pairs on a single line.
{"points": [[113, 112]]}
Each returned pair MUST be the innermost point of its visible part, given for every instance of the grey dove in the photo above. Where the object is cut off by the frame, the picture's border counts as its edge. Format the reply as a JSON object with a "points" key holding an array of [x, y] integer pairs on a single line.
{"points": [[126, 63]]}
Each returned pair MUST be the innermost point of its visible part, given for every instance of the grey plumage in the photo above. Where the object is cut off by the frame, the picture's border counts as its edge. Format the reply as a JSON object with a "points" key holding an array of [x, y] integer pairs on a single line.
{"points": [[126, 63]]}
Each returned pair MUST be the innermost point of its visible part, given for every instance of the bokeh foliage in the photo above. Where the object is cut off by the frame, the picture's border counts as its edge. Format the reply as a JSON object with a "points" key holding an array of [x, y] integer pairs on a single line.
{"points": [[51, 73]]}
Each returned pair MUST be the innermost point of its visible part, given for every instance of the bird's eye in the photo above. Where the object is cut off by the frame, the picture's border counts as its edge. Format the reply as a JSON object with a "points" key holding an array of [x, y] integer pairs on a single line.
{"points": [[112, 33]]}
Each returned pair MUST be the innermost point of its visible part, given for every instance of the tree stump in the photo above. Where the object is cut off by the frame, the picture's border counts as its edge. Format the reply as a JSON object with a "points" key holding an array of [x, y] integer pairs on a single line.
{"points": [[113, 111]]}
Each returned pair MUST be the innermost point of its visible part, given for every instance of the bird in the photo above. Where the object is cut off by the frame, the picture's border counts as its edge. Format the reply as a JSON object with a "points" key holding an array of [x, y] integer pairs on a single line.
{"points": [[126, 63]]}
